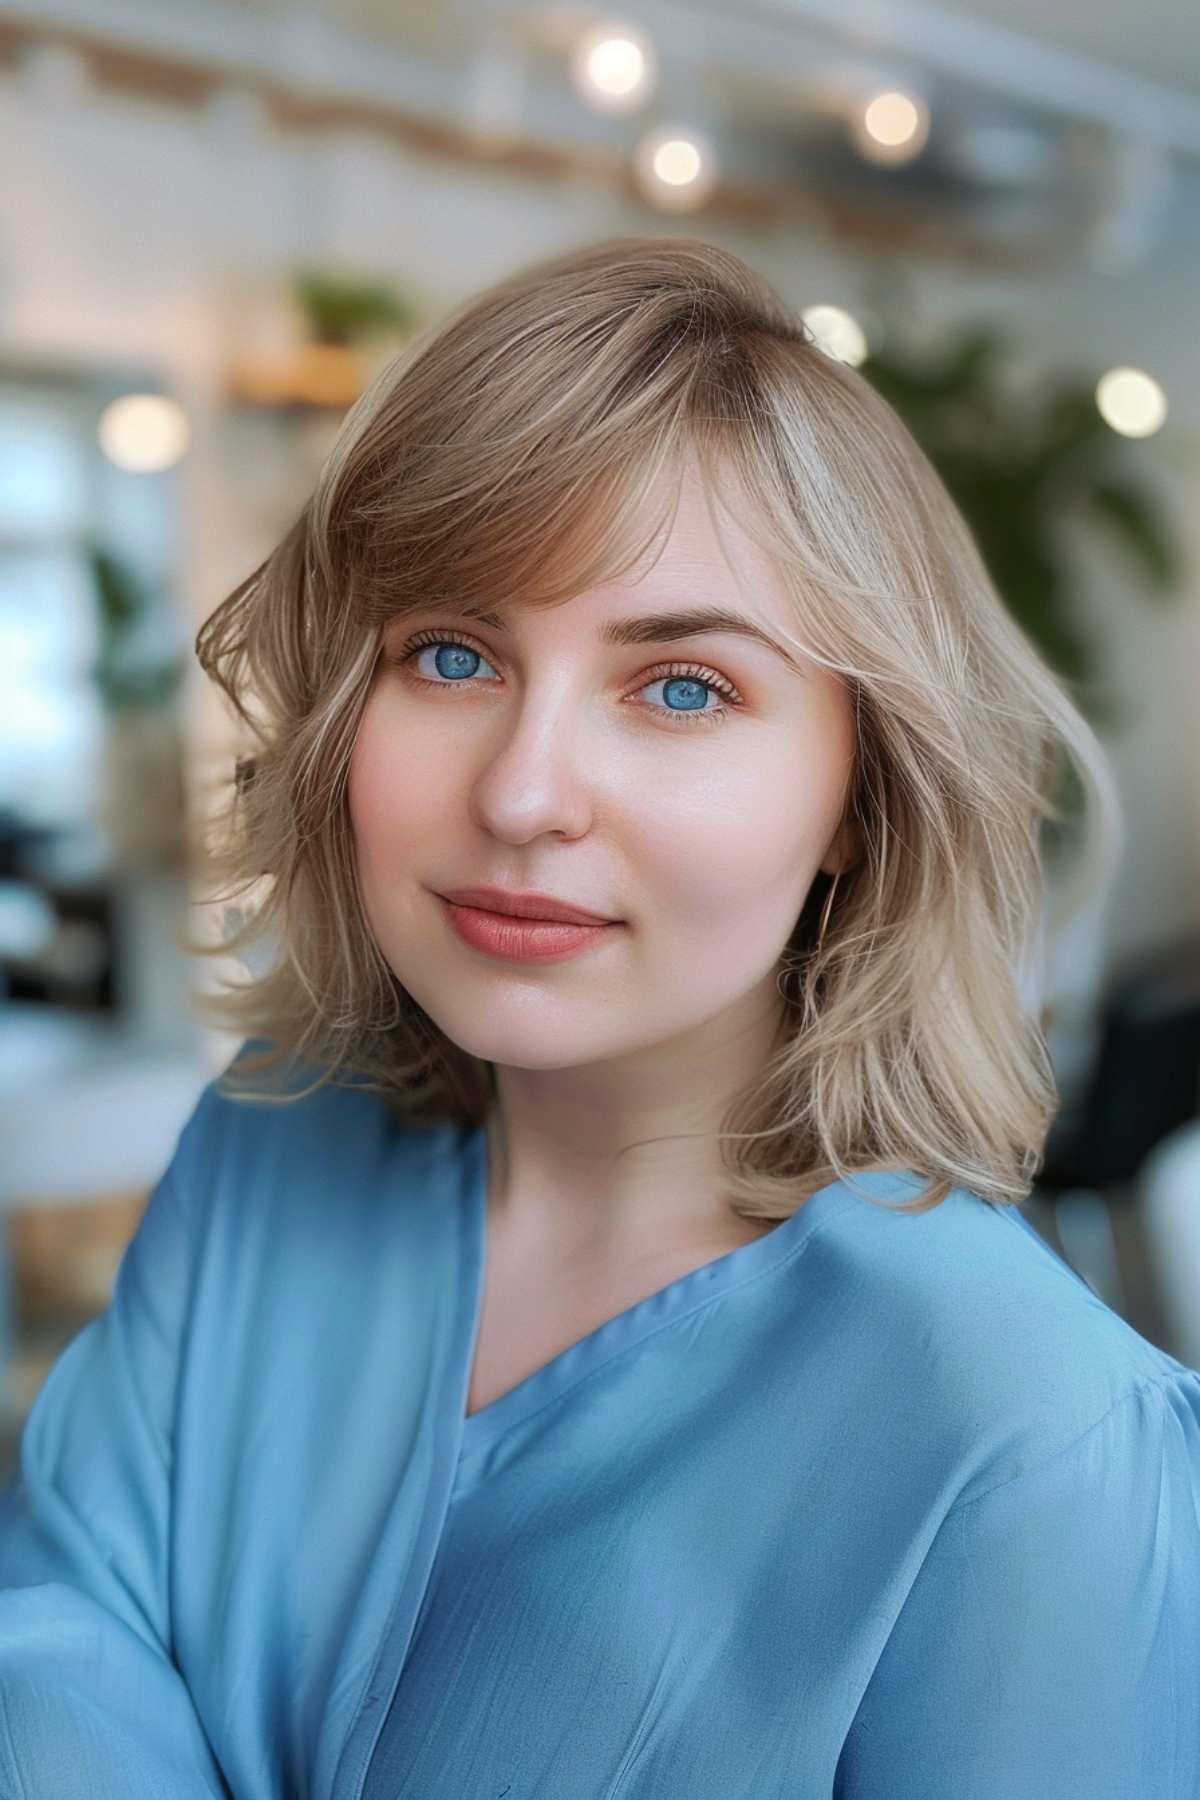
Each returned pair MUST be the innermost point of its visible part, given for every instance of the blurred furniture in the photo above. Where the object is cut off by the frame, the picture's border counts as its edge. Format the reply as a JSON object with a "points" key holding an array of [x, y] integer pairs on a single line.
{"points": [[86, 1109], [58, 944], [1170, 1199], [63, 1263], [1143, 1085]]}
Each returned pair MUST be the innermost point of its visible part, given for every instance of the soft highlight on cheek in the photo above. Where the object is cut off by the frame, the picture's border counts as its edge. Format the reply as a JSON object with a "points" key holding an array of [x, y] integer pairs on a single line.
{"points": [[385, 798], [745, 836]]}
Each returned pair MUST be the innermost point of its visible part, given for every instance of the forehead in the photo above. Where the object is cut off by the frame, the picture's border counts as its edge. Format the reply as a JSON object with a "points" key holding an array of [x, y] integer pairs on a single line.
{"points": [[702, 539], [701, 573]]}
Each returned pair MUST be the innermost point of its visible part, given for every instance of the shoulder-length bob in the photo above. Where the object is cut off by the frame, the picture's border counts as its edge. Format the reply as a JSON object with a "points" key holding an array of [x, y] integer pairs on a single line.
{"points": [[503, 459]]}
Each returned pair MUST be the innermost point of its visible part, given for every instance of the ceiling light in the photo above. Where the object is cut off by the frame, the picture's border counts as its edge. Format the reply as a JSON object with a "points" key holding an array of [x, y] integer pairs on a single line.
{"points": [[675, 169], [1131, 401], [891, 128], [612, 68], [837, 332]]}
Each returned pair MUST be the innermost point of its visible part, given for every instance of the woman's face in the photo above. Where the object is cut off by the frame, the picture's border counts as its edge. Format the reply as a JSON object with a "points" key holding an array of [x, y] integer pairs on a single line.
{"points": [[544, 757]]}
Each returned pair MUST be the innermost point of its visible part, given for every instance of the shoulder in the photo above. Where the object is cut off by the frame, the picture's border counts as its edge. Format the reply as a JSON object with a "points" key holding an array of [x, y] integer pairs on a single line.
{"points": [[301, 1148], [985, 1337]]}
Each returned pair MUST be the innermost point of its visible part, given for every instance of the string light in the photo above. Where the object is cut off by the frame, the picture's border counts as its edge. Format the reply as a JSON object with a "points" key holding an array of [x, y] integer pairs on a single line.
{"points": [[838, 333], [613, 69], [892, 127], [1131, 401], [676, 170]]}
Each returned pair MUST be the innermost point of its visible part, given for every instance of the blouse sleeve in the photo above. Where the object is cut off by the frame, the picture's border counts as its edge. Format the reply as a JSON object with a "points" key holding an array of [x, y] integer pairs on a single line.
{"points": [[1050, 1645], [92, 1706]]}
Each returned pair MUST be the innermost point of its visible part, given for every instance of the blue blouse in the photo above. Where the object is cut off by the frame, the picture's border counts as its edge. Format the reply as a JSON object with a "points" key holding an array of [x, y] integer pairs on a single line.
{"points": [[873, 1507]]}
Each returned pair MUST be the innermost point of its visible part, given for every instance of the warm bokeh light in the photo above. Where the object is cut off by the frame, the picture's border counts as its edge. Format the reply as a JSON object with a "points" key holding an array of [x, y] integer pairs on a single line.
{"points": [[892, 127], [616, 65], [891, 118], [838, 333], [613, 68], [1131, 401], [677, 161], [675, 169], [144, 432]]}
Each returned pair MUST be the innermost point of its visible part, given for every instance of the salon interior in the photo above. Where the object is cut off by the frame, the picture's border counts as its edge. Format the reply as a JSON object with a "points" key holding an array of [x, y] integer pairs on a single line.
{"points": [[220, 218]]}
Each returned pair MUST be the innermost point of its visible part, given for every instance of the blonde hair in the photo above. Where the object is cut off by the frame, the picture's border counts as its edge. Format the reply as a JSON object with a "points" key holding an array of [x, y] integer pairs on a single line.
{"points": [[503, 460]]}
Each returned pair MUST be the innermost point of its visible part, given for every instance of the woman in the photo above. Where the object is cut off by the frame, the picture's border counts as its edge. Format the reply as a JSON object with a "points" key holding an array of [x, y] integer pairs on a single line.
{"points": [[608, 1359]]}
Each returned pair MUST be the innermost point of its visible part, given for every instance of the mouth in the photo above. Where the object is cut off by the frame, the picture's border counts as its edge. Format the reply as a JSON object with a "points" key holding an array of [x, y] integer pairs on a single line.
{"points": [[538, 909], [512, 937]]}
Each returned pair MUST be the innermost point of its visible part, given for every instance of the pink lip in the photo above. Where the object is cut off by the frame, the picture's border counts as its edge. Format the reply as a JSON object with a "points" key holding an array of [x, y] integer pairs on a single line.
{"points": [[524, 906], [521, 940]]}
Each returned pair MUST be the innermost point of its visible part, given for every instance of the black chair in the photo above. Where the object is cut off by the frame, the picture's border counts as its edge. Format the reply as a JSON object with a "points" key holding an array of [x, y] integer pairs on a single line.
{"points": [[1144, 1082]]}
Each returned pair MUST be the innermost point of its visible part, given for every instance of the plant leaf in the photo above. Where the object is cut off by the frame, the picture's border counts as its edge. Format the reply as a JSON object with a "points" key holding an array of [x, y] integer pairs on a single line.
{"points": [[1138, 523]]}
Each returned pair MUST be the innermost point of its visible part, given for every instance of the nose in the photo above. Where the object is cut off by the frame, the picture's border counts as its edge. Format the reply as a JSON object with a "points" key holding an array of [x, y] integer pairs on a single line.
{"points": [[540, 779]]}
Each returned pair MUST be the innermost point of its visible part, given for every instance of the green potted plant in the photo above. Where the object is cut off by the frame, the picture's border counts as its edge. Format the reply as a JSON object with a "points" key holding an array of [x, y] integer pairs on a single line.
{"points": [[342, 325], [143, 809], [1019, 468], [345, 320], [342, 311]]}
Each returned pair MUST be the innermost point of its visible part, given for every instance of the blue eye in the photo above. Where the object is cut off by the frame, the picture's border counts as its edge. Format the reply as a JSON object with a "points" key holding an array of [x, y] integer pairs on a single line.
{"points": [[687, 715], [677, 675]]}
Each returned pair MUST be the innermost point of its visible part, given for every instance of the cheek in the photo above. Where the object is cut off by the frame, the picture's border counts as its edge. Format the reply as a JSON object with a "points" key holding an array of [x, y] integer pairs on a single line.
{"points": [[380, 798], [370, 782], [744, 845], [393, 799]]}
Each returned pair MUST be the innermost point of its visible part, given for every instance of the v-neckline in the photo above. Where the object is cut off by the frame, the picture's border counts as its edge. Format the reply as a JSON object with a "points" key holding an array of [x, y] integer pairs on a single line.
{"points": [[628, 1327]]}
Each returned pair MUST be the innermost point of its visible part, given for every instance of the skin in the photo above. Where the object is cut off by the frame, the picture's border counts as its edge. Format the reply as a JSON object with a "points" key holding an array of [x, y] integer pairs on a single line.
{"points": [[558, 768]]}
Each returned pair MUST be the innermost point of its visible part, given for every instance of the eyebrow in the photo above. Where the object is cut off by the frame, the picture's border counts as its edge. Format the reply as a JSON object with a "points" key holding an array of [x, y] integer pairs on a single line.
{"points": [[668, 627]]}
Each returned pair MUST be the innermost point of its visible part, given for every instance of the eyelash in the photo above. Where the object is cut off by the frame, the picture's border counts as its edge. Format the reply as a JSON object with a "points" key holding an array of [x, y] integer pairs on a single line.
{"points": [[708, 677]]}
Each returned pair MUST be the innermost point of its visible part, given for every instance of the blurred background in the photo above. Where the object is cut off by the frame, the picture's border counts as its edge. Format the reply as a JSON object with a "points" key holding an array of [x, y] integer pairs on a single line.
{"points": [[218, 219]]}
